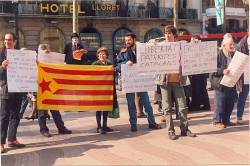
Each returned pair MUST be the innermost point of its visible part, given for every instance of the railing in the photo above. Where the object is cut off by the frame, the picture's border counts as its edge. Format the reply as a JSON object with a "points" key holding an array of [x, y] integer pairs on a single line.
{"points": [[130, 11]]}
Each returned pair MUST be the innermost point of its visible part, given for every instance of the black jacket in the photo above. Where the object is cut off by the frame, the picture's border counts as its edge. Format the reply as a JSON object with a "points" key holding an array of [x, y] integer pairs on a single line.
{"points": [[69, 54], [123, 57], [3, 77], [217, 76]]}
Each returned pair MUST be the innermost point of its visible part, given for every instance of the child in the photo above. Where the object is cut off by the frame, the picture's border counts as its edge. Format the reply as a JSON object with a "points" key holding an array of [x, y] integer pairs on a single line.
{"points": [[102, 55]]}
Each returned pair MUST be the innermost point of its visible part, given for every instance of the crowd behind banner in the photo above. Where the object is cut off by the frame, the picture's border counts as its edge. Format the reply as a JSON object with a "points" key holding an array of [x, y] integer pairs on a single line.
{"points": [[176, 70]]}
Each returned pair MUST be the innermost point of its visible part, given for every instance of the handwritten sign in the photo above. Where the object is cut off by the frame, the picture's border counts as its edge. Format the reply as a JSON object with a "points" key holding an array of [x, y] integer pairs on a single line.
{"points": [[236, 67], [133, 81], [21, 71], [199, 58], [51, 57], [162, 57]]}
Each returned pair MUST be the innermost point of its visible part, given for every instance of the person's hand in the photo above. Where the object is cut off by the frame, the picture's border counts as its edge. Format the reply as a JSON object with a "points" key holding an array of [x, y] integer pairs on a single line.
{"points": [[47, 51], [130, 63], [83, 51], [226, 72], [5, 64]]}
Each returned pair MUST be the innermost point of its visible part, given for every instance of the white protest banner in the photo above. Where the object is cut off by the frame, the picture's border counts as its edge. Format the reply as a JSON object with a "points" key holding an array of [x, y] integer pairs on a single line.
{"points": [[199, 58], [22, 71], [51, 57], [133, 81], [162, 57], [236, 68]]}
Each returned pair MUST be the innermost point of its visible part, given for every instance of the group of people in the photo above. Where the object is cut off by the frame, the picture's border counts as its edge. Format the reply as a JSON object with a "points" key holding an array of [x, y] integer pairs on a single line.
{"points": [[170, 86]]}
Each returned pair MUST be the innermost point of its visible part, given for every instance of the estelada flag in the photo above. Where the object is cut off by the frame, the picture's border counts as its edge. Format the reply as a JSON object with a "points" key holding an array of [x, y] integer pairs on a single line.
{"points": [[75, 87]]}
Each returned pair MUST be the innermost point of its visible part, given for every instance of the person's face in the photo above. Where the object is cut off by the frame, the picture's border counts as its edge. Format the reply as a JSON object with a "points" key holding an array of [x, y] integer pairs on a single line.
{"points": [[102, 56], [9, 41], [75, 40], [229, 46], [129, 41], [169, 37], [193, 40]]}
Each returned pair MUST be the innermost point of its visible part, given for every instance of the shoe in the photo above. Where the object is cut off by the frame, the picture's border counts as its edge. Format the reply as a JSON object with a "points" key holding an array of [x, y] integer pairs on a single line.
{"points": [[46, 134], [3, 150], [240, 122], [205, 108], [108, 129], [219, 125], [65, 131], [141, 116], [188, 133], [133, 128], [32, 117], [210, 89], [172, 136], [230, 124], [98, 130], [154, 126], [103, 131], [163, 119], [15, 144]]}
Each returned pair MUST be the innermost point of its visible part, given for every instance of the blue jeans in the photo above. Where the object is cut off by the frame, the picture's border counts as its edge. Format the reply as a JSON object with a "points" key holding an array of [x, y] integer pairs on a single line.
{"points": [[146, 104], [242, 100], [224, 104]]}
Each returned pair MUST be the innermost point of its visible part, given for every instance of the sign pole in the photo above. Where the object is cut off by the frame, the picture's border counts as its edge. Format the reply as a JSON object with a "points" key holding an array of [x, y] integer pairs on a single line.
{"points": [[75, 16]]}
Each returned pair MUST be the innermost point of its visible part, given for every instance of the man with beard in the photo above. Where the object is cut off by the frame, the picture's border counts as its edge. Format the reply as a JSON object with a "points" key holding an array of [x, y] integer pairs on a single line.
{"points": [[128, 57]]}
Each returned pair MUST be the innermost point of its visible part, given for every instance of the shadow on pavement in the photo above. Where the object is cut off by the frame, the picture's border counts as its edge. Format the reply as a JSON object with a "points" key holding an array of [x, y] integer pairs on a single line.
{"points": [[48, 156]]}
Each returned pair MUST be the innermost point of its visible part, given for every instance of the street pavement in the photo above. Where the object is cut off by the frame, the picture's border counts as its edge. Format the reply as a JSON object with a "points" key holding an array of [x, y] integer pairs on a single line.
{"points": [[212, 146]]}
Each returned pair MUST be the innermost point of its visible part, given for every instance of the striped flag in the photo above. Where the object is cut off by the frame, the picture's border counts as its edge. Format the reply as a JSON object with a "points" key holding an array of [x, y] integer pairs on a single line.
{"points": [[75, 87]]}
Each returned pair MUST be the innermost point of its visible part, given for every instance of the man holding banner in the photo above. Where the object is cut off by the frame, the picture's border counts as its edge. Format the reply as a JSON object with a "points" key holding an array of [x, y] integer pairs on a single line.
{"points": [[173, 83], [128, 57], [10, 102], [42, 114]]}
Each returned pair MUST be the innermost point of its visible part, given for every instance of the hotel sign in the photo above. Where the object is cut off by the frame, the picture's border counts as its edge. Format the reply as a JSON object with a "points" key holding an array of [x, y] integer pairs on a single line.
{"points": [[54, 8]]}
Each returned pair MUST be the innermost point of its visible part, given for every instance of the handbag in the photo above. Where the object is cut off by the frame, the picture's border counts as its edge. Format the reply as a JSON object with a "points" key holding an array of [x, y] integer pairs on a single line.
{"points": [[115, 113]]}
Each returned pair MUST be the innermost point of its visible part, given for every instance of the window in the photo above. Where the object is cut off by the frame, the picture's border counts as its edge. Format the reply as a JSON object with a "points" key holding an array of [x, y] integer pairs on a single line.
{"points": [[90, 38], [54, 37], [152, 34], [118, 39]]}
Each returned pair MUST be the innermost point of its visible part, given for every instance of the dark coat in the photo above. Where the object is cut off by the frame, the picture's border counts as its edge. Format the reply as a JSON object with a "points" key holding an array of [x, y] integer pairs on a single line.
{"points": [[69, 55], [123, 57], [3, 77], [217, 76]]}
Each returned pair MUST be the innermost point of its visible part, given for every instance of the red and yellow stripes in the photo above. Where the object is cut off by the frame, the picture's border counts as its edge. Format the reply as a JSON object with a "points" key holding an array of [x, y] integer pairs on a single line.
{"points": [[75, 87]]}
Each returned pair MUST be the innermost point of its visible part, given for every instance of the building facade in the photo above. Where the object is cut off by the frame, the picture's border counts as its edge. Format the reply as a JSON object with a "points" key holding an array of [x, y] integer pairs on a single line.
{"points": [[236, 20], [101, 22]]}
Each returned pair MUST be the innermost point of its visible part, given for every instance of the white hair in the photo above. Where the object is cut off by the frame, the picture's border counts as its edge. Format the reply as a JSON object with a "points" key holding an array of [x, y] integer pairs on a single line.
{"points": [[227, 35], [43, 47], [227, 39]]}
